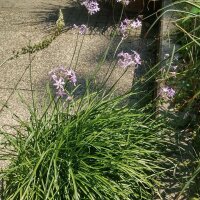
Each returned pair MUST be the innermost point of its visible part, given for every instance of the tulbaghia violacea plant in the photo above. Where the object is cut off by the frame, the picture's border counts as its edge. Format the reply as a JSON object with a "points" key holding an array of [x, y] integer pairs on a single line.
{"points": [[126, 59], [92, 6], [136, 23], [127, 25], [60, 76], [169, 92], [124, 26]]}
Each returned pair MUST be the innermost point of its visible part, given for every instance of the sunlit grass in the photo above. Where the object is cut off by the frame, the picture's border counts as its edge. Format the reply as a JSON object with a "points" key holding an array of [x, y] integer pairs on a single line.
{"points": [[102, 151]]}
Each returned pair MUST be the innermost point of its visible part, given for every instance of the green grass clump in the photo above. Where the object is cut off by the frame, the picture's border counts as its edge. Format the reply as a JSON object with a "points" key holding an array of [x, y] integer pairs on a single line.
{"points": [[93, 149], [189, 37], [188, 83]]}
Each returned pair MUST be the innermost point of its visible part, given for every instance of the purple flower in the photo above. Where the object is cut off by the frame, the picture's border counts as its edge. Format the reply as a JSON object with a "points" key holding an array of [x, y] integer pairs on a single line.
{"points": [[59, 76], [61, 93], [63, 73], [126, 59], [82, 28], [59, 83], [136, 23], [54, 77], [137, 58], [91, 5], [169, 91], [71, 76], [126, 25], [69, 98]]}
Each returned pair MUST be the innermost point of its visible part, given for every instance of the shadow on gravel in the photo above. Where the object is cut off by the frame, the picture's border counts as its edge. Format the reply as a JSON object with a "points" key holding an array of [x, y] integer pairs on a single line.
{"points": [[102, 22]]}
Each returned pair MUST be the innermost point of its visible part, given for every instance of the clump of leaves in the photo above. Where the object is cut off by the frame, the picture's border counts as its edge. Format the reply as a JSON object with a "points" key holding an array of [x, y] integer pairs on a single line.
{"points": [[189, 31], [91, 149]]}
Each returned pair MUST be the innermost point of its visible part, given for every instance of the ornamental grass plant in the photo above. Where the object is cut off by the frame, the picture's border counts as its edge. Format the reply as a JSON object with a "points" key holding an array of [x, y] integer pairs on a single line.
{"points": [[99, 151]]}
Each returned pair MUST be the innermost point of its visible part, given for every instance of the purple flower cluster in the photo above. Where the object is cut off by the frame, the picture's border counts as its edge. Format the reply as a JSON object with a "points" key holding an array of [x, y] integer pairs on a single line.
{"points": [[136, 23], [124, 26], [126, 59], [82, 28], [170, 92], [91, 5], [127, 24], [59, 76]]}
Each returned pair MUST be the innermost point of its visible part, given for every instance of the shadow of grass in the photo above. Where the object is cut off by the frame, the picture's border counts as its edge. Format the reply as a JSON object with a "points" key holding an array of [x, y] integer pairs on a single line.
{"points": [[100, 23]]}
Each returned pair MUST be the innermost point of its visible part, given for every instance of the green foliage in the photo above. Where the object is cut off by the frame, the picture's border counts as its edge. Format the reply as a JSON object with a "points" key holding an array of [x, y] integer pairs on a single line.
{"points": [[189, 31], [91, 149], [188, 79]]}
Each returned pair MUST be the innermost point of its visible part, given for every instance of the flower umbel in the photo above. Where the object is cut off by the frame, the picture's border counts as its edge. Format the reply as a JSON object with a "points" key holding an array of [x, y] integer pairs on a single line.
{"points": [[137, 58], [61, 93], [91, 5], [71, 76], [136, 23], [124, 27], [126, 59], [60, 76], [59, 83], [170, 92], [127, 25]]}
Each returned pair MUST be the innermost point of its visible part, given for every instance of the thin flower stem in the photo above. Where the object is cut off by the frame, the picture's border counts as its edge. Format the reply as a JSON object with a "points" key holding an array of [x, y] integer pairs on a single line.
{"points": [[15, 87], [31, 82], [115, 50], [107, 92], [118, 46], [121, 13], [79, 52], [104, 82], [74, 49], [104, 57], [81, 46]]}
